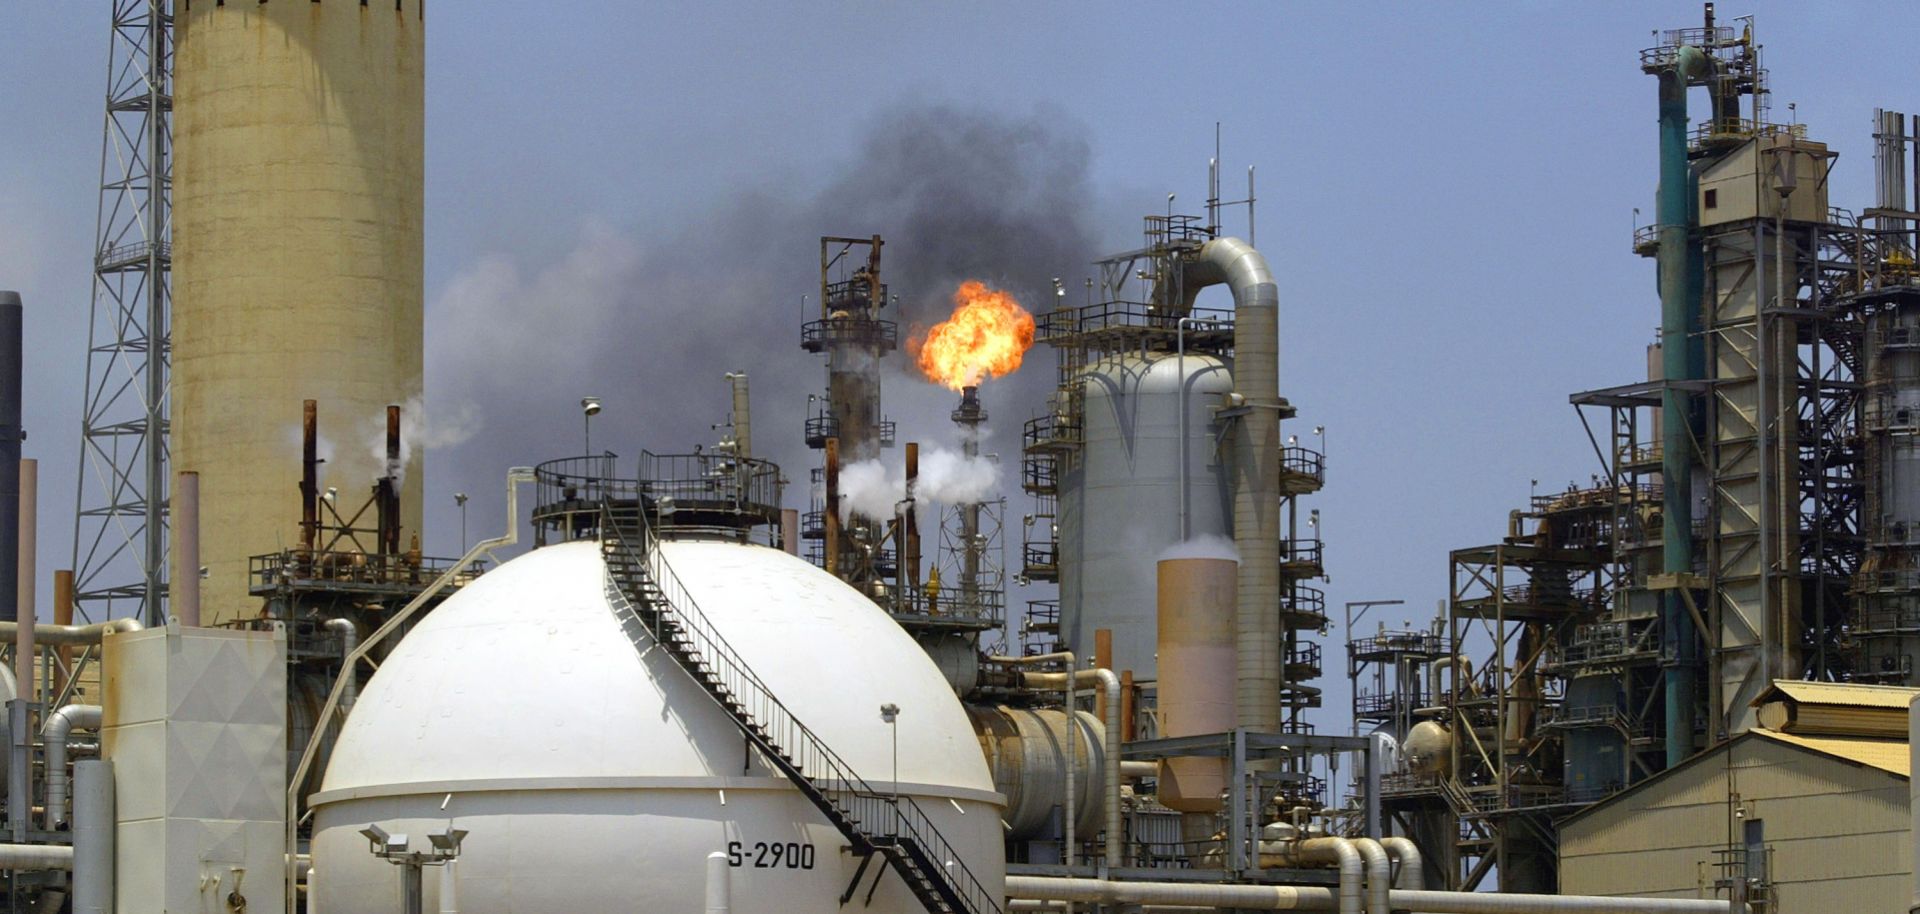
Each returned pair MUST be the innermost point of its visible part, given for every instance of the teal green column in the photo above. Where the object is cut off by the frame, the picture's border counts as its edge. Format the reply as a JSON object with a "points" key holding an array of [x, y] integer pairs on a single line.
{"points": [[1680, 360]]}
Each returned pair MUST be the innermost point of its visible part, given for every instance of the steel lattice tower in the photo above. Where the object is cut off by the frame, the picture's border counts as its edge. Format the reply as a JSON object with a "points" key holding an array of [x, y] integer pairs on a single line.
{"points": [[120, 535]]}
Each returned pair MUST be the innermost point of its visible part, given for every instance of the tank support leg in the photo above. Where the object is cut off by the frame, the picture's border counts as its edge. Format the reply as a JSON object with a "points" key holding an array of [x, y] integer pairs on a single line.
{"points": [[854, 885]]}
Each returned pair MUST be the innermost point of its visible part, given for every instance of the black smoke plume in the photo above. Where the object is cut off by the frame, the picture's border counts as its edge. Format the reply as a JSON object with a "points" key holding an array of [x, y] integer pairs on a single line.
{"points": [[650, 322]]}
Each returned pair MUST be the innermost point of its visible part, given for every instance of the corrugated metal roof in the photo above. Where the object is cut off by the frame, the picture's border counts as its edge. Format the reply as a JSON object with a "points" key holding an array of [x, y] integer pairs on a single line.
{"points": [[1889, 755], [1834, 693]]}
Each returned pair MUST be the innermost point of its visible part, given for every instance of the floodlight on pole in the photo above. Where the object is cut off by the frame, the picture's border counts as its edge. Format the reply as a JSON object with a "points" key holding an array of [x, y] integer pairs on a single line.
{"points": [[589, 408], [890, 713]]}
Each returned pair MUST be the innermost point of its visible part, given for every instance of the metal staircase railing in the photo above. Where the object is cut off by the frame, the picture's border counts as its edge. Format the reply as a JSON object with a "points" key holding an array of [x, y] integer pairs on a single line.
{"points": [[654, 608]]}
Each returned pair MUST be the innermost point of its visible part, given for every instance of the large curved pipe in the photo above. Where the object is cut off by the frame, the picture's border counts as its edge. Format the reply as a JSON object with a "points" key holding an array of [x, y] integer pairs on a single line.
{"points": [[60, 725], [1315, 898], [72, 634], [349, 639], [1412, 874], [1339, 852], [1256, 469], [1379, 875]]}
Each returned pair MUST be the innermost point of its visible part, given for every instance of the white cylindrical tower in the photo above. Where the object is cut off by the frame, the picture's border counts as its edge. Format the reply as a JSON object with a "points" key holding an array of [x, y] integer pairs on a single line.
{"points": [[1121, 509], [591, 777], [297, 260]]}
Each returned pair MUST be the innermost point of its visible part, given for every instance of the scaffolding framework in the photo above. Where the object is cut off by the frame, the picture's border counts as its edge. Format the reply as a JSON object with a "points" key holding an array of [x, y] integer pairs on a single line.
{"points": [[120, 529]]}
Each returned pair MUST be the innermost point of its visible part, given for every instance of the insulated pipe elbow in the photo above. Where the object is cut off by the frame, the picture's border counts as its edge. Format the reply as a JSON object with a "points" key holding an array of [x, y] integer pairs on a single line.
{"points": [[1379, 875], [1412, 873], [60, 726], [1340, 852]]}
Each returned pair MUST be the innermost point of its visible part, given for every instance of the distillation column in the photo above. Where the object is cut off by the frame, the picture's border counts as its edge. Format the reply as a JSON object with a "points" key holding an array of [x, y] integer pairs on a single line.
{"points": [[297, 263], [853, 337], [1888, 585]]}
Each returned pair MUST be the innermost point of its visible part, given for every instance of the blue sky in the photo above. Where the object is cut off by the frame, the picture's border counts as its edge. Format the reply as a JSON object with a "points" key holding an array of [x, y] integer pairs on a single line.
{"points": [[1446, 194]]}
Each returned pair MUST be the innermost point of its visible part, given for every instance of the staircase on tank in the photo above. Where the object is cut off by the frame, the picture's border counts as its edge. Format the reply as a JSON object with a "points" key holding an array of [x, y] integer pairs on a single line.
{"points": [[654, 609]]}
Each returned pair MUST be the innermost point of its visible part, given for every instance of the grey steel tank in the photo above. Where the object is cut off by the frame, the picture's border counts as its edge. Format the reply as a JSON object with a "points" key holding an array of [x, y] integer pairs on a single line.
{"points": [[1122, 509]]}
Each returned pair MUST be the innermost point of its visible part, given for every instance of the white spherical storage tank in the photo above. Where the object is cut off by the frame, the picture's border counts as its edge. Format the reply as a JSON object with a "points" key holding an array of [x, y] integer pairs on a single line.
{"points": [[592, 777]]}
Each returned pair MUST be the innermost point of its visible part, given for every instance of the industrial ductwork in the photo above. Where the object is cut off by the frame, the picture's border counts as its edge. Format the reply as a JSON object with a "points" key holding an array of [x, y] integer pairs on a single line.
{"points": [[1256, 469]]}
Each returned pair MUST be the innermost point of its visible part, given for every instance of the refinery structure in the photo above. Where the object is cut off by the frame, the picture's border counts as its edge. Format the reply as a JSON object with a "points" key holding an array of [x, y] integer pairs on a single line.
{"points": [[914, 676]]}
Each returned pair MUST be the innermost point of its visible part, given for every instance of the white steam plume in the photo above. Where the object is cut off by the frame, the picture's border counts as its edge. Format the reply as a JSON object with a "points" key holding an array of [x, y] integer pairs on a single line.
{"points": [[419, 428], [868, 490], [953, 478], [872, 489], [1204, 546]]}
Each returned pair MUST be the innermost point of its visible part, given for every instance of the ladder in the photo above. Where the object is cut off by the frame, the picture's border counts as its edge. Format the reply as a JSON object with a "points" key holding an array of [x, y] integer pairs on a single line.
{"points": [[655, 609]]}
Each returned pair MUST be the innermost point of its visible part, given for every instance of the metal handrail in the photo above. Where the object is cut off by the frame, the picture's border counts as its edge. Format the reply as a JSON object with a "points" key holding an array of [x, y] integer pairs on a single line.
{"points": [[793, 747], [1131, 316], [860, 331], [1304, 462]]}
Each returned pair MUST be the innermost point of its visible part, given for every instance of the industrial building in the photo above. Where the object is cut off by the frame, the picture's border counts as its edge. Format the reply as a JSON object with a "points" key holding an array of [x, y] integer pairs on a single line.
{"points": [[1680, 690], [1807, 811]]}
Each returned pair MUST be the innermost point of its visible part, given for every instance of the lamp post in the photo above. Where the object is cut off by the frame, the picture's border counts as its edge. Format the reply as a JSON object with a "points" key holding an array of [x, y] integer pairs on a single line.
{"points": [[460, 498], [589, 407], [890, 713], [393, 849]]}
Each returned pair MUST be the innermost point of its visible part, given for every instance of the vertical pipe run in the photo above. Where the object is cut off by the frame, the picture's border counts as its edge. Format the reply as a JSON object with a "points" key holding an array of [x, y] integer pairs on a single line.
{"points": [[1679, 316], [390, 487], [309, 474], [185, 589], [349, 675], [20, 752], [718, 889], [1070, 843], [450, 887], [24, 656], [910, 546], [830, 516], [93, 826], [62, 616], [1376, 763], [1102, 659], [10, 318], [742, 415]]}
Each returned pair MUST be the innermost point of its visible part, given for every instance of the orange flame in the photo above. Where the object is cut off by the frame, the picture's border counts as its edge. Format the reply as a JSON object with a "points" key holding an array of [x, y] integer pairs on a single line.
{"points": [[986, 337]]}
